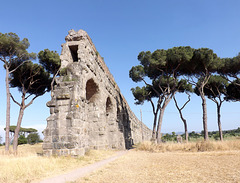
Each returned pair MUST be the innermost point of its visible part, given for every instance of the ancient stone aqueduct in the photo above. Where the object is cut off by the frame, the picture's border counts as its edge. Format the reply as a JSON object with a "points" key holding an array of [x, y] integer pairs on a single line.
{"points": [[87, 109]]}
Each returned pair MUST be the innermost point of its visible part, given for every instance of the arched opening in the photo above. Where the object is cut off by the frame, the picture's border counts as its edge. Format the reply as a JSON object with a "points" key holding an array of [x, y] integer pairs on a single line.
{"points": [[108, 106], [91, 90]]}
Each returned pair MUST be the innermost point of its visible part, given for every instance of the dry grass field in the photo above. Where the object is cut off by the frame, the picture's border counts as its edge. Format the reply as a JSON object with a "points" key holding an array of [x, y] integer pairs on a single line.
{"points": [[147, 167], [171, 163], [197, 146], [27, 166]]}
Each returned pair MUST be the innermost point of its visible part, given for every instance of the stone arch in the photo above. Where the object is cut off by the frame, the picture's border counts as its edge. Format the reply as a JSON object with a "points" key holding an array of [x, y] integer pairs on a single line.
{"points": [[92, 91], [109, 106]]}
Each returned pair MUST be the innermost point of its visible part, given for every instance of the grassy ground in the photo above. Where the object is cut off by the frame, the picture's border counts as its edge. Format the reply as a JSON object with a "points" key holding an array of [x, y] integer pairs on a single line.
{"points": [[147, 167], [171, 163], [197, 146], [27, 166]]}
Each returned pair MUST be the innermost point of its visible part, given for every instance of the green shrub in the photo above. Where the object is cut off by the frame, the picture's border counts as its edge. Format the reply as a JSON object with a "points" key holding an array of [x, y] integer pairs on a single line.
{"points": [[97, 53], [63, 71], [22, 140], [33, 138]]}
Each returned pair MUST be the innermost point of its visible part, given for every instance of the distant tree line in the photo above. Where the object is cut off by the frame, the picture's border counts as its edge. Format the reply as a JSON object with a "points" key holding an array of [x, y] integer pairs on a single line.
{"points": [[25, 136], [22, 131], [200, 135], [0, 141], [185, 70]]}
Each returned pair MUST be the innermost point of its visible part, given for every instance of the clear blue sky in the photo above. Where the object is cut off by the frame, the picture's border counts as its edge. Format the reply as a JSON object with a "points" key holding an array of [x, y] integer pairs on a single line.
{"points": [[120, 30]]}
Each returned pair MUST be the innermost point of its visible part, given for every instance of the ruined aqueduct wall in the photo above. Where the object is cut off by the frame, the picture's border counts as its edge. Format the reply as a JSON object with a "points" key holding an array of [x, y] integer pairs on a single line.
{"points": [[87, 108]]}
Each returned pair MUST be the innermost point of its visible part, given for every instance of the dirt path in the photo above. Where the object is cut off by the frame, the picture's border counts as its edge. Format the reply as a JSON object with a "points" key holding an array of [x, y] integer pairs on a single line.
{"points": [[81, 172]]}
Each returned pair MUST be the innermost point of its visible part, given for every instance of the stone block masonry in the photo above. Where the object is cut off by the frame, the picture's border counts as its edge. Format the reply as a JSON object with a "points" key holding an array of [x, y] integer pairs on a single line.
{"points": [[87, 109]]}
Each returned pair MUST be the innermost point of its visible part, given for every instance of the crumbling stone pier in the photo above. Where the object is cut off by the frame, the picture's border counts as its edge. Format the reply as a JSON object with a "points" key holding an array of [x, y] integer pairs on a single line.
{"points": [[87, 109]]}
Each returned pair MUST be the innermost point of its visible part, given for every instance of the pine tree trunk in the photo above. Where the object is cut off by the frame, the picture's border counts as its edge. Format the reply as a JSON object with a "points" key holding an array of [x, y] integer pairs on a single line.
{"points": [[20, 116], [160, 119], [204, 107], [7, 140], [219, 122], [154, 127], [185, 125], [186, 130], [181, 116]]}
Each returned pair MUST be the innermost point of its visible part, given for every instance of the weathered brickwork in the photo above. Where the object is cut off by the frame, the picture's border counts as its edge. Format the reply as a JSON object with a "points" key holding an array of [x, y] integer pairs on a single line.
{"points": [[87, 108]]}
